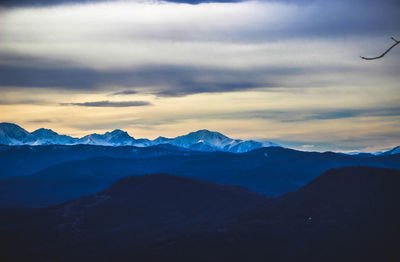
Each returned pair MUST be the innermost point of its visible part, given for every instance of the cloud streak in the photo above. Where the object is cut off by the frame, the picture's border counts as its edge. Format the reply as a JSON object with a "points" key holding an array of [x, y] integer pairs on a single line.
{"points": [[125, 92], [306, 115], [282, 116], [170, 80], [109, 104], [4, 101]]}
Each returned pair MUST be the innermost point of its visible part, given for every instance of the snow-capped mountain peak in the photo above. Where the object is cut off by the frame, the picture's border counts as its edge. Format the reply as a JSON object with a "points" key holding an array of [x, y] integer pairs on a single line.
{"points": [[13, 134], [43, 132], [114, 138], [13, 130], [201, 140], [44, 136], [118, 132], [214, 139], [161, 140], [205, 140]]}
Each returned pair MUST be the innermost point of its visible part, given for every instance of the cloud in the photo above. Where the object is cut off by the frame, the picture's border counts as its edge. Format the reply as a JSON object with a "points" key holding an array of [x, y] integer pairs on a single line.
{"points": [[127, 22], [125, 92], [109, 104], [169, 49], [352, 113], [161, 80], [180, 80], [39, 121], [297, 115], [306, 115], [5, 101], [375, 142], [36, 3]]}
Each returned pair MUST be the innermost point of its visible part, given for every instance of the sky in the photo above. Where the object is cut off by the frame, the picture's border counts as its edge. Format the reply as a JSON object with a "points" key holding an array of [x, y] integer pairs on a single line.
{"points": [[284, 71]]}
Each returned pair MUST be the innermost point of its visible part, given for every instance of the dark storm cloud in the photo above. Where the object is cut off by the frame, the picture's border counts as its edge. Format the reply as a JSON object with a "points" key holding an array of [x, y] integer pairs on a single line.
{"points": [[109, 104]]}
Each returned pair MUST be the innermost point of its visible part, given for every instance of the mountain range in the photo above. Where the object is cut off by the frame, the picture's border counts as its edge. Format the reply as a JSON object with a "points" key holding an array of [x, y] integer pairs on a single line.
{"points": [[46, 175], [201, 140], [346, 214], [197, 197]]}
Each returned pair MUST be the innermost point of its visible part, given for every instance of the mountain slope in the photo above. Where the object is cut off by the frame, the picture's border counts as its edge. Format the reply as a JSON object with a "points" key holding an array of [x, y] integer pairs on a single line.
{"points": [[353, 210], [346, 214], [114, 138], [140, 212], [205, 140], [44, 136], [392, 151], [212, 139], [13, 134]]}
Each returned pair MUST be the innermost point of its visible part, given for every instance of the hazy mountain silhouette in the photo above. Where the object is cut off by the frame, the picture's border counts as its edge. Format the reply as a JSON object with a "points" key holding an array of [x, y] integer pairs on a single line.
{"points": [[271, 171], [36, 158], [346, 214]]}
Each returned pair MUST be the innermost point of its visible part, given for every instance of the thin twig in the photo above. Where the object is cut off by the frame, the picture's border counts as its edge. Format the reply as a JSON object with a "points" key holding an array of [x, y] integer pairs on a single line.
{"points": [[382, 55]]}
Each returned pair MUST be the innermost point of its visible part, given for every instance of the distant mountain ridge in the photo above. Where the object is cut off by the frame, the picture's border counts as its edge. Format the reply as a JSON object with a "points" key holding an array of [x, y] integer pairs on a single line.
{"points": [[52, 174], [201, 140]]}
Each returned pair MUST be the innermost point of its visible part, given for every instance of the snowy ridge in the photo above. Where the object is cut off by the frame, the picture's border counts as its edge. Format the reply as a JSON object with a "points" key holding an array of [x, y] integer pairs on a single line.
{"points": [[49, 137], [11, 134], [114, 138], [392, 151], [202, 140]]}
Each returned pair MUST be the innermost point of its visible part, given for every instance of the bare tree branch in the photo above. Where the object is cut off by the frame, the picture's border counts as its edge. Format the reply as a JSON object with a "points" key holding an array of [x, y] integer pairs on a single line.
{"points": [[382, 55]]}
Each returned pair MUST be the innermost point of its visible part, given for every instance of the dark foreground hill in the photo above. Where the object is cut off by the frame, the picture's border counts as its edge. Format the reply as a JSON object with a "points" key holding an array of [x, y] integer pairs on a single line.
{"points": [[136, 218], [346, 214], [271, 171]]}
